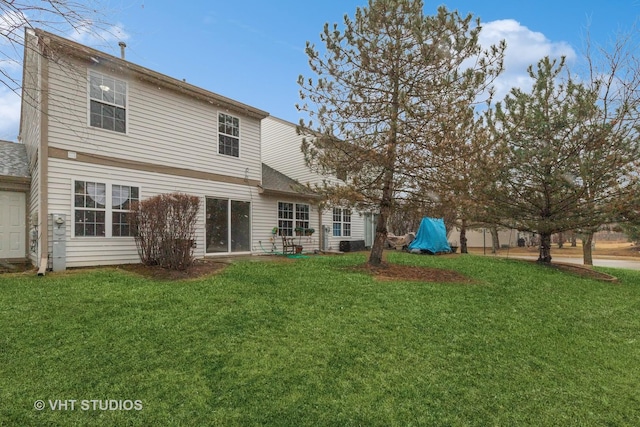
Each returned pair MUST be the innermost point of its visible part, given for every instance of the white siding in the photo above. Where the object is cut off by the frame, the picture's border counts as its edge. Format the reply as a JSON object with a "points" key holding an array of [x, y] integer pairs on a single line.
{"points": [[34, 220], [266, 217], [163, 127], [357, 228], [86, 251], [281, 150], [30, 134], [476, 238]]}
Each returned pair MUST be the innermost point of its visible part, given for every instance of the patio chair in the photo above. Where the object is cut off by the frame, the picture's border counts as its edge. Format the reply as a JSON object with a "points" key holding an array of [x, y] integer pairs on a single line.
{"points": [[288, 246]]}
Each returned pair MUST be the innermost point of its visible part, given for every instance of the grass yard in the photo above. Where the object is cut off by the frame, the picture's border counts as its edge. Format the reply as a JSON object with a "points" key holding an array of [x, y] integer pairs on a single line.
{"points": [[313, 342]]}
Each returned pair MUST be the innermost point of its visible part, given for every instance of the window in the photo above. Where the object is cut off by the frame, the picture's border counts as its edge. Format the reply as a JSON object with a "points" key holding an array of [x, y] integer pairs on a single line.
{"points": [[228, 135], [228, 226], [122, 196], [341, 222], [94, 217], [108, 100], [286, 222], [302, 216], [90, 209], [285, 219]]}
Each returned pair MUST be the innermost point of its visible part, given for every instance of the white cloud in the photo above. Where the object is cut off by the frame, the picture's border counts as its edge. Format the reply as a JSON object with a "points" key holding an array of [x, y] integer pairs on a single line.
{"points": [[10, 114], [524, 48]]}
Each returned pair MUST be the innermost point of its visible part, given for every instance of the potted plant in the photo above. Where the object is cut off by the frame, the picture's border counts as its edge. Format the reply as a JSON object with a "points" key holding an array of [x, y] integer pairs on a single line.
{"points": [[309, 231], [274, 230], [299, 231]]}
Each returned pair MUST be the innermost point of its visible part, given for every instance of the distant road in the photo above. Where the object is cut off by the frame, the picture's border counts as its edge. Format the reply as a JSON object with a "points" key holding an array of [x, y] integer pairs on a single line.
{"points": [[598, 262]]}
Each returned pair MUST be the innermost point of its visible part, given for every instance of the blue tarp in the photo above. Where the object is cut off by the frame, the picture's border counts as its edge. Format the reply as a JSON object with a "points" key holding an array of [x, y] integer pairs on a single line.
{"points": [[431, 237]]}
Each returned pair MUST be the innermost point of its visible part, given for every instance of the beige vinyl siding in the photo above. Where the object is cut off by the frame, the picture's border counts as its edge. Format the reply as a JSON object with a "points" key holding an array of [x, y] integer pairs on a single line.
{"points": [[34, 226], [31, 101], [357, 228], [281, 150], [85, 251], [476, 238], [30, 134], [266, 217], [163, 127]]}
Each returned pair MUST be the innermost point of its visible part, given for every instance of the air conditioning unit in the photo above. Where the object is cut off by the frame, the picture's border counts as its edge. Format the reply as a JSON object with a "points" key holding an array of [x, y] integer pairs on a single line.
{"points": [[351, 245]]}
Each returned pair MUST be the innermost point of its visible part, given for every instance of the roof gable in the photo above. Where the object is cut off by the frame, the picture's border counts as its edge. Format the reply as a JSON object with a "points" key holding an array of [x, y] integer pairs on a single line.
{"points": [[61, 46]]}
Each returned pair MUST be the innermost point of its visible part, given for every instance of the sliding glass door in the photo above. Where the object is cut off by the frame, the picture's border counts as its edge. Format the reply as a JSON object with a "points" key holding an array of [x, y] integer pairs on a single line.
{"points": [[228, 226]]}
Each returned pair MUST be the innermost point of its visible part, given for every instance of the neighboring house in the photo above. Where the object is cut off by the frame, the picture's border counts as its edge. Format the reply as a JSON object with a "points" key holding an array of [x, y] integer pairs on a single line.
{"points": [[281, 150], [101, 133], [14, 193], [481, 237]]}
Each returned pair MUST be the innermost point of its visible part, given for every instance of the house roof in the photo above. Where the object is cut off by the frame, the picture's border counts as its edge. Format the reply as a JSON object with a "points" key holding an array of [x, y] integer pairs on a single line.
{"points": [[97, 58], [13, 160], [278, 184]]}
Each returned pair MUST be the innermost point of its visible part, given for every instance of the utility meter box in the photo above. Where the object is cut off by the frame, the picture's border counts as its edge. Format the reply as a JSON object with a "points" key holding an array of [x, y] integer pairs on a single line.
{"points": [[59, 242], [325, 237]]}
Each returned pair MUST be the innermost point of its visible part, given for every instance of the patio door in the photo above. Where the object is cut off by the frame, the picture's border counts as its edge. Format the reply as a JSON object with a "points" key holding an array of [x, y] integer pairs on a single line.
{"points": [[228, 226]]}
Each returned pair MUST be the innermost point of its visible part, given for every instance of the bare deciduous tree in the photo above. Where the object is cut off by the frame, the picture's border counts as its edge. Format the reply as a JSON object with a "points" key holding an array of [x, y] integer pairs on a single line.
{"points": [[57, 16]]}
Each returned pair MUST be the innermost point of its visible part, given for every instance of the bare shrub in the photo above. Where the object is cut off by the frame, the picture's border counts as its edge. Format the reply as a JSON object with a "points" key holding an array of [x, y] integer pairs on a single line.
{"points": [[165, 229]]}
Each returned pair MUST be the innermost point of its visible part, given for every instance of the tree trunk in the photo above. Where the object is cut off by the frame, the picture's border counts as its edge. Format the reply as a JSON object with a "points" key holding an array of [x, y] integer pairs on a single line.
{"points": [[375, 257], [463, 237], [545, 248], [587, 255], [494, 239], [574, 240]]}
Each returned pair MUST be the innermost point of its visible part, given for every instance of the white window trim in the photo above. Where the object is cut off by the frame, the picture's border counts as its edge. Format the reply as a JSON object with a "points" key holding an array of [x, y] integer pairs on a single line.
{"points": [[126, 106], [294, 220], [204, 226], [108, 226], [227, 156], [342, 222]]}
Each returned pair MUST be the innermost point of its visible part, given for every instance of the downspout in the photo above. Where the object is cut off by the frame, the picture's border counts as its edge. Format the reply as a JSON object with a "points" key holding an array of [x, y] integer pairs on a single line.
{"points": [[43, 163]]}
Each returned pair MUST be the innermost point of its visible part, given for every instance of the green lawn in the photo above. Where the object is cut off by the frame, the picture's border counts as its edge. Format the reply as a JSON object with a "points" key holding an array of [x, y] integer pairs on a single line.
{"points": [[313, 343]]}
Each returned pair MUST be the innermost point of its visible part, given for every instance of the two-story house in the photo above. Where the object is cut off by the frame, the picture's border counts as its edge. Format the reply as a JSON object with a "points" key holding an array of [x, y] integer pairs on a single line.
{"points": [[102, 133], [281, 148]]}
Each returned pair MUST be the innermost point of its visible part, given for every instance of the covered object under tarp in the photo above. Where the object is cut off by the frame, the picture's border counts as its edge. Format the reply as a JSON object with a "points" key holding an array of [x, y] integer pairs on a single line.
{"points": [[431, 237]]}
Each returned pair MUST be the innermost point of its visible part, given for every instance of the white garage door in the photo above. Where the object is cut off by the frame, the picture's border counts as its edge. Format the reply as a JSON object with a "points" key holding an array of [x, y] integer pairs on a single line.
{"points": [[12, 224]]}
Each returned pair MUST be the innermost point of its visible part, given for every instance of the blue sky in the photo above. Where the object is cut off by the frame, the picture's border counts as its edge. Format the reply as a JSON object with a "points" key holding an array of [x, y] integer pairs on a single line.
{"points": [[253, 50]]}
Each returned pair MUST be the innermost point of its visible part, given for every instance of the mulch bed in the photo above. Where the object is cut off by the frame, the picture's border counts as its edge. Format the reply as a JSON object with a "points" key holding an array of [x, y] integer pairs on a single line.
{"points": [[200, 268], [583, 271], [384, 272]]}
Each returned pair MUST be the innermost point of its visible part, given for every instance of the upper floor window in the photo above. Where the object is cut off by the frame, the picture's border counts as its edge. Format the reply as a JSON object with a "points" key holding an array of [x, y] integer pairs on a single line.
{"points": [[107, 102], [228, 135]]}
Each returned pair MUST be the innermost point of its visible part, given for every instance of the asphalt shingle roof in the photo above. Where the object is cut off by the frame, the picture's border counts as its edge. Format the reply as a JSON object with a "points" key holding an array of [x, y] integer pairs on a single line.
{"points": [[13, 160], [275, 181]]}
